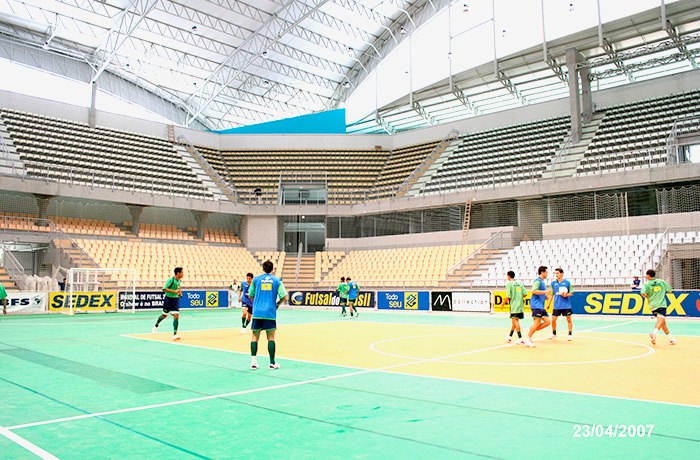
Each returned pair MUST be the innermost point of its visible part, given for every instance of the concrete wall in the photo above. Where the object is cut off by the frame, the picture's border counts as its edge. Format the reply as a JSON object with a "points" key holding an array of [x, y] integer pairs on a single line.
{"points": [[260, 233]]}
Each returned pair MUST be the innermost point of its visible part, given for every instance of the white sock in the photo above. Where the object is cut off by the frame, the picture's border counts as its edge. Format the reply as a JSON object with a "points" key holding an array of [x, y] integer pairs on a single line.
{"points": [[656, 331]]}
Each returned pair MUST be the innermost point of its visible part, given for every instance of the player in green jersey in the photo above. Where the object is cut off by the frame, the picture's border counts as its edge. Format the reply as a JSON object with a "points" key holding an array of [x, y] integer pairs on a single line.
{"points": [[343, 289], [515, 293], [654, 290]]}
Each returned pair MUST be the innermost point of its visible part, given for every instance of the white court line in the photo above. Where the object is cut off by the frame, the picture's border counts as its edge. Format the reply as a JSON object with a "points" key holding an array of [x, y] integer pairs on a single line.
{"points": [[33, 448], [360, 371]]}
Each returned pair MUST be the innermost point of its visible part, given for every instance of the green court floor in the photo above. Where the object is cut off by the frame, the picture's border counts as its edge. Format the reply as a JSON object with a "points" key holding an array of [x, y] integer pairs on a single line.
{"points": [[81, 387]]}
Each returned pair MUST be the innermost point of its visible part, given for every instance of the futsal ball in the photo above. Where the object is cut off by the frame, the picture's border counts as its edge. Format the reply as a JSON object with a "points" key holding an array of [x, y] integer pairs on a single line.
{"points": [[563, 290]]}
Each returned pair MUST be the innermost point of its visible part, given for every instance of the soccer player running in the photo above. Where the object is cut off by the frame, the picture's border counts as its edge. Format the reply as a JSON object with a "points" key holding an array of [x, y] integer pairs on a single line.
{"points": [[655, 291], [515, 293], [343, 294], [540, 294], [561, 290], [171, 301], [267, 292], [353, 292], [246, 302]]}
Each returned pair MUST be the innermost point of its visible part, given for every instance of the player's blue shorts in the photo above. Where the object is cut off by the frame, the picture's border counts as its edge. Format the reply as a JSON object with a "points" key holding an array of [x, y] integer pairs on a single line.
{"points": [[171, 304], [259, 324], [659, 311], [249, 307], [539, 313], [561, 312]]}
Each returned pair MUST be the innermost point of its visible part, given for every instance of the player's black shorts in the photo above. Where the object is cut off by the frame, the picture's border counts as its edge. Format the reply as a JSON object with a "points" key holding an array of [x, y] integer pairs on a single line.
{"points": [[561, 312], [659, 311], [171, 304], [343, 301], [352, 301], [539, 313], [263, 324], [249, 307], [520, 315]]}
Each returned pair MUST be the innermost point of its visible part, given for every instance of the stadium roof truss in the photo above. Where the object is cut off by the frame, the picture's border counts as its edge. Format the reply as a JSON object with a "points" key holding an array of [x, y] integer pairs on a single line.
{"points": [[215, 64]]}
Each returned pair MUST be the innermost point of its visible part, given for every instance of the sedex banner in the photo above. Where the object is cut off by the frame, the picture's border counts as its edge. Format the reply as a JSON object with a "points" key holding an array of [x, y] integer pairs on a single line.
{"points": [[680, 303], [326, 299]]}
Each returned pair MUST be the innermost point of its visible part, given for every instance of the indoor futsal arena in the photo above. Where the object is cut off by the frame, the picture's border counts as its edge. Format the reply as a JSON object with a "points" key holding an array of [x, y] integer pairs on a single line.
{"points": [[349, 229]]}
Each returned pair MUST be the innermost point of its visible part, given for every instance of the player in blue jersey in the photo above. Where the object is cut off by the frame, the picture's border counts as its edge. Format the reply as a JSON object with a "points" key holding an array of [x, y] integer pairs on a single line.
{"points": [[246, 303], [267, 292], [540, 294], [353, 293], [561, 289]]}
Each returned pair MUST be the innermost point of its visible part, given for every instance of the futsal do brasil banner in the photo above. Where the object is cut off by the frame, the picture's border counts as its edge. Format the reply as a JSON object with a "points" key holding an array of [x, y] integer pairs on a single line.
{"points": [[327, 299], [680, 303]]}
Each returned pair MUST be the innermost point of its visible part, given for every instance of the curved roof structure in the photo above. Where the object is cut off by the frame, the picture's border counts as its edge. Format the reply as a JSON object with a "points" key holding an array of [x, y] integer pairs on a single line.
{"points": [[217, 64]]}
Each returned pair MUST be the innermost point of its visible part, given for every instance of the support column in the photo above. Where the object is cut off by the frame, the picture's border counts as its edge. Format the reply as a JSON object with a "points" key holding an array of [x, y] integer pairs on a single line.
{"points": [[135, 212], [574, 103], [92, 115], [586, 96], [201, 218], [43, 202]]}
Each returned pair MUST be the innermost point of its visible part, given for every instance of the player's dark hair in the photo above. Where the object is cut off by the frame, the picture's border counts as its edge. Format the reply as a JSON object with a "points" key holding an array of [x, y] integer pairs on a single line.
{"points": [[342, 278], [511, 273], [177, 270], [651, 273], [348, 279], [541, 270], [267, 266], [559, 270], [249, 274]]}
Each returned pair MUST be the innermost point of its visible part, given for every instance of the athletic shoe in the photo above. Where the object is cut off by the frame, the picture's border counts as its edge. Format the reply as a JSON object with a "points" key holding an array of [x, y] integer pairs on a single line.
{"points": [[275, 366], [530, 343], [520, 342], [653, 338], [672, 341], [552, 337], [243, 330], [508, 339], [154, 330], [570, 337], [176, 337], [254, 363], [357, 314]]}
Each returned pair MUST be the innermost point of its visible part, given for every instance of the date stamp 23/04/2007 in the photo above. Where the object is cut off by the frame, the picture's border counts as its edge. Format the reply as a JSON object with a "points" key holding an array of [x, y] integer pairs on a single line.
{"points": [[620, 430]]}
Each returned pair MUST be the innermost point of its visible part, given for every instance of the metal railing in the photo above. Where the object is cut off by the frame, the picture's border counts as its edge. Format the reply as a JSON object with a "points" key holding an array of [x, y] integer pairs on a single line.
{"points": [[685, 125], [12, 266], [658, 250], [229, 190], [430, 158]]}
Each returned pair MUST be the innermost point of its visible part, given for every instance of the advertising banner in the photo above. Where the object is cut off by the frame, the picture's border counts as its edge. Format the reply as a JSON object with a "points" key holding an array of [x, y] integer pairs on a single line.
{"points": [[26, 302], [680, 303], [84, 301], [471, 301], [403, 300], [441, 301], [143, 300], [327, 299], [204, 299]]}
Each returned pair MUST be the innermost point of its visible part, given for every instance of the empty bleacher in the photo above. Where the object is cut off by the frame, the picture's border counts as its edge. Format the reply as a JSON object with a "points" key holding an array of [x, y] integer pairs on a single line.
{"points": [[163, 232], [518, 153], [350, 174], [399, 267], [220, 235], [73, 152], [399, 165], [590, 261], [205, 265], [634, 135]]}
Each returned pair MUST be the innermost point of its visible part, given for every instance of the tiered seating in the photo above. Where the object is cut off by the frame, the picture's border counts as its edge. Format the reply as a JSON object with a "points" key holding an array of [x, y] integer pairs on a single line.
{"points": [[22, 222], [325, 262], [73, 152], [163, 232], [634, 135], [276, 257], [400, 164], [204, 265], [591, 261], [220, 235], [75, 225], [349, 173], [414, 267], [517, 153]]}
